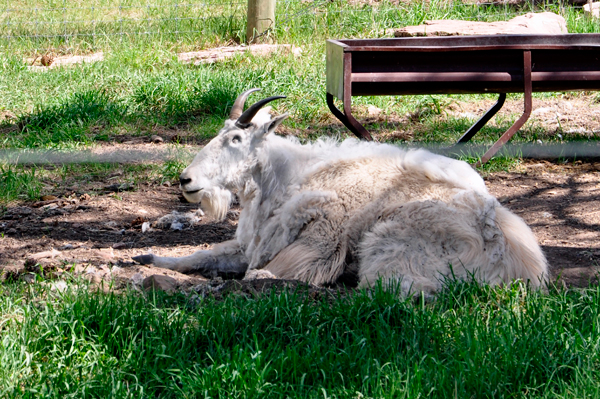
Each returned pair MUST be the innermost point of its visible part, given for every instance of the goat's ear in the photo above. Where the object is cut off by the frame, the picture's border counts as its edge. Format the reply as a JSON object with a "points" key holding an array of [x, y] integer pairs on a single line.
{"points": [[270, 126]]}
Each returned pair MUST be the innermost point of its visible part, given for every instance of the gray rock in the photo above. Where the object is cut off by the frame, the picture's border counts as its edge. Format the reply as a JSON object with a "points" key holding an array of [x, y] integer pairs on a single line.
{"points": [[160, 282]]}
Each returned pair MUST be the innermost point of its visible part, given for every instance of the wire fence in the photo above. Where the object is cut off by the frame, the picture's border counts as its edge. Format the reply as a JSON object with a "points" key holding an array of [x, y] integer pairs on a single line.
{"points": [[66, 26]]}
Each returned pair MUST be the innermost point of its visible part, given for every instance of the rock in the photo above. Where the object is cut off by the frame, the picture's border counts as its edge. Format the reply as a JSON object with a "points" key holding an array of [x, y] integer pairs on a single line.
{"points": [[595, 12], [159, 282], [45, 203], [28, 278], [104, 254], [545, 23], [120, 245], [119, 187], [59, 286], [222, 53], [46, 254], [176, 226], [178, 221], [374, 111], [156, 139], [145, 227], [137, 279], [19, 211]]}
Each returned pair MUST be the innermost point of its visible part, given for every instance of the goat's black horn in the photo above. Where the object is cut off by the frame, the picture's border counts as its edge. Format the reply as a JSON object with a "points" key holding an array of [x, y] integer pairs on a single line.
{"points": [[245, 119], [238, 105]]}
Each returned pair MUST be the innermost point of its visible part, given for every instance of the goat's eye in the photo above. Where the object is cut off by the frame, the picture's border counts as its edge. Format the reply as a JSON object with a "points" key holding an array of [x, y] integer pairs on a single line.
{"points": [[236, 139]]}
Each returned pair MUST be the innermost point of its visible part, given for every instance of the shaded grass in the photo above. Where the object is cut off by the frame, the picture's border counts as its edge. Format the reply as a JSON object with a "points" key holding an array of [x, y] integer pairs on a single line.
{"points": [[29, 183], [473, 341], [18, 182]]}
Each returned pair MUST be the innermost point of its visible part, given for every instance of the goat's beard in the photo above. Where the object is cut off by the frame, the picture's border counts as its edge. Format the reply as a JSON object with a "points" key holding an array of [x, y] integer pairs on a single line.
{"points": [[215, 203]]}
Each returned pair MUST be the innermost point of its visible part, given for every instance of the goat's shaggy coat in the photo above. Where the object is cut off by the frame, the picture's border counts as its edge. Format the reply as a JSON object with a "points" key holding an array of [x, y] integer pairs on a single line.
{"points": [[331, 212]]}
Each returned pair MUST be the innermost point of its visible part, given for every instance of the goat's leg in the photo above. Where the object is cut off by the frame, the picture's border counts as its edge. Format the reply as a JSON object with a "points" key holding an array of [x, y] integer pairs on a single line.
{"points": [[225, 260]]}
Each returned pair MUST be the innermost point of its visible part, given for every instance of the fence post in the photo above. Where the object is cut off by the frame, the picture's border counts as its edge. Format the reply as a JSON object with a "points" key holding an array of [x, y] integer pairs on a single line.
{"points": [[261, 17]]}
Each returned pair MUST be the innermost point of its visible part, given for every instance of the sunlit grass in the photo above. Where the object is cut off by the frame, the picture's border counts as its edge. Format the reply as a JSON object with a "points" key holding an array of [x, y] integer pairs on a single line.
{"points": [[141, 87], [473, 341]]}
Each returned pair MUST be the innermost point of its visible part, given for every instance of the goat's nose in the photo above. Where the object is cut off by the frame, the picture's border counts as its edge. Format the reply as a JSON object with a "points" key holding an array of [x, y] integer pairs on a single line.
{"points": [[184, 180]]}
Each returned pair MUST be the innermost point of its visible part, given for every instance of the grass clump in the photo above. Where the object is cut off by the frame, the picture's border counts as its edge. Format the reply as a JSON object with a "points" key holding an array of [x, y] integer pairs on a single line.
{"points": [[473, 341], [18, 182]]}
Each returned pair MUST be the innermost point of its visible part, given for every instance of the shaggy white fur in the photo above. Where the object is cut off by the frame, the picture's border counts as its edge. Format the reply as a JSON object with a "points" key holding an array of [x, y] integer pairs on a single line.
{"points": [[330, 212]]}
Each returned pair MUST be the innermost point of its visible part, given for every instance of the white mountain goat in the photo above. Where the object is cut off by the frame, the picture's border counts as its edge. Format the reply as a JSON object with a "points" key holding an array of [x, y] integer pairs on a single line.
{"points": [[352, 212]]}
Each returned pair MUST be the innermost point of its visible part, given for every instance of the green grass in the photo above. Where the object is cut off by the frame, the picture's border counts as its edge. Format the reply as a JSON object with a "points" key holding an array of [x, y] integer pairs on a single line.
{"points": [[18, 182], [141, 86], [473, 341]]}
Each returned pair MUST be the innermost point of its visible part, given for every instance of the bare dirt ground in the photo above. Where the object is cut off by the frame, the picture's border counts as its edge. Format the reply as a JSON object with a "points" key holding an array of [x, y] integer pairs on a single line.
{"points": [[94, 230]]}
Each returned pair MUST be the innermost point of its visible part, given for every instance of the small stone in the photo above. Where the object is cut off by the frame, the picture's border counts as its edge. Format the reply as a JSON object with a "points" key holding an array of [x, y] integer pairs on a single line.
{"points": [[104, 254], [594, 12], [79, 269], [28, 277], [120, 245], [137, 278], [374, 111], [46, 254], [176, 226], [145, 227], [85, 197], [20, 211], [156, 139], [159, 282], [118, 187], [94, 278], [59, 286], [47, 60]]}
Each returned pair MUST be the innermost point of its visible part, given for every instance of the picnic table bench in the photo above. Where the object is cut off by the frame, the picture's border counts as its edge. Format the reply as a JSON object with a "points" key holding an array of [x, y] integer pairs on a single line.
{"points": [[460, 64]]}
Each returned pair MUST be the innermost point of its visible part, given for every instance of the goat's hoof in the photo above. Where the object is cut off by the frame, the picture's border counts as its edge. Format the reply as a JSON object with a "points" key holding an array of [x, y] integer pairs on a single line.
{"points": [[144, 259]]}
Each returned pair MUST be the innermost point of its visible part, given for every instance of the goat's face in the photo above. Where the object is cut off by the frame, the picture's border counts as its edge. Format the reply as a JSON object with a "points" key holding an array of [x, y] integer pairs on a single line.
{"points": [[223, 164]]}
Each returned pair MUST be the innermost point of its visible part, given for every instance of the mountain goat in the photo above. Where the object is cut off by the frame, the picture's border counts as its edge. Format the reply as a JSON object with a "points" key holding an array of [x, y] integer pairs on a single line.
{"points": [[349, 213]]}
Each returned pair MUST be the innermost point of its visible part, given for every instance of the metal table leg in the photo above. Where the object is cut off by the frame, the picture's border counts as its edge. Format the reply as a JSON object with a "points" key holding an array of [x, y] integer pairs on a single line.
{"points": [[521, 121], [483, 120]]}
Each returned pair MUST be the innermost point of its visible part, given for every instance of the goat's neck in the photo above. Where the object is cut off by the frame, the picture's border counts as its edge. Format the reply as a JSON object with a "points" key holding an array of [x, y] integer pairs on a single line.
{"points": [[280, 164]]}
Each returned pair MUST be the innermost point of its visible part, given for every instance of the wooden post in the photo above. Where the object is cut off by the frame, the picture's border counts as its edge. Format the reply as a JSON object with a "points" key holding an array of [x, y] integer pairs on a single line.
{"points": [[261, 17]]}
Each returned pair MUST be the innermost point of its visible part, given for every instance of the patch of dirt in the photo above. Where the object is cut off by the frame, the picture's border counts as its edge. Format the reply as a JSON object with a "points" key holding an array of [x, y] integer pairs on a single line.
{"points": [[575, 115], [560, 115], [561, 203], [95, 232]]}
